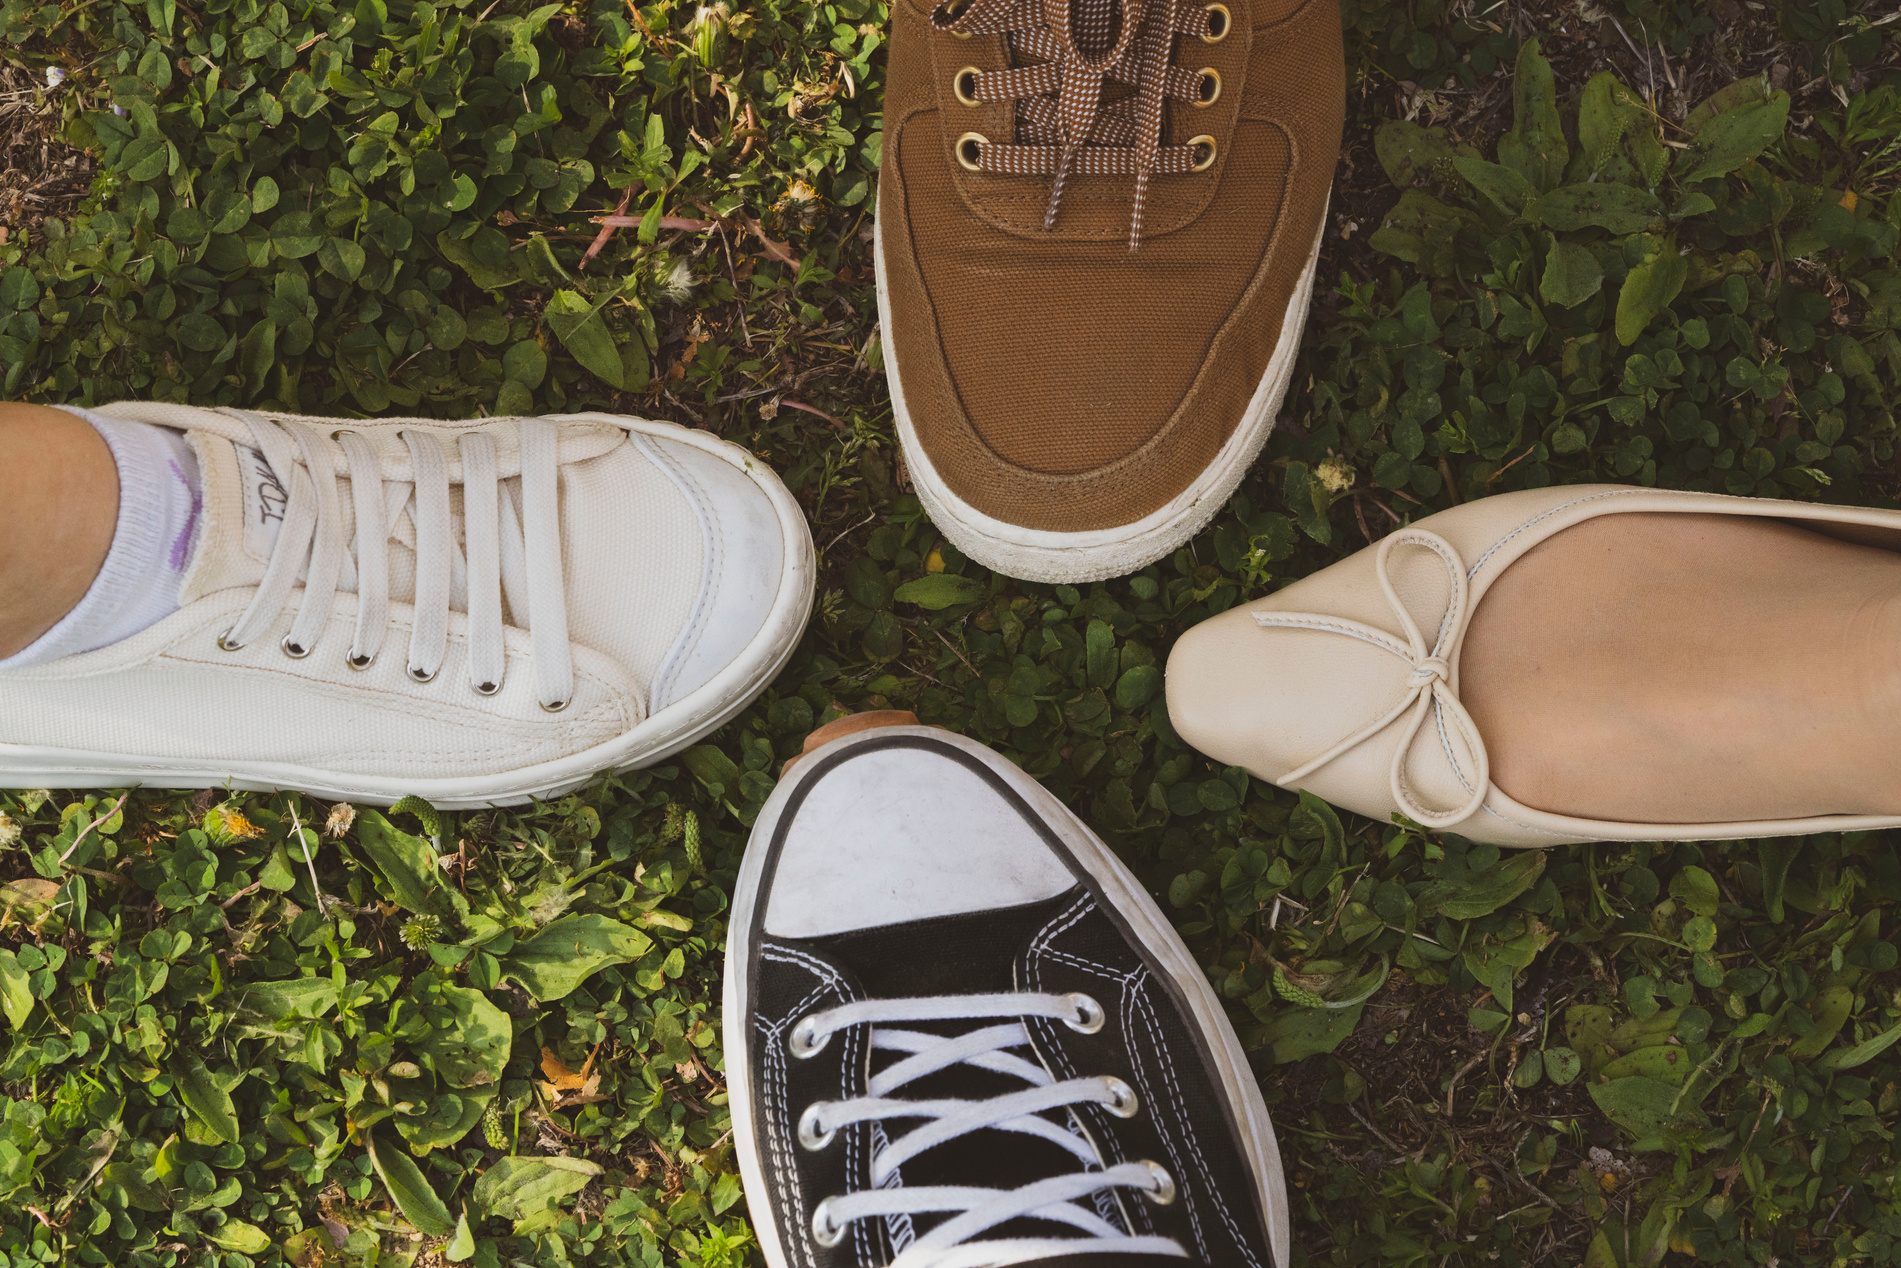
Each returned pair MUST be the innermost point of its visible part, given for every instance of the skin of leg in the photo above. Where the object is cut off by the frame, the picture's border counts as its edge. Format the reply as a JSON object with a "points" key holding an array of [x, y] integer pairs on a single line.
{"points": [[62, 499], [1671, 668]]}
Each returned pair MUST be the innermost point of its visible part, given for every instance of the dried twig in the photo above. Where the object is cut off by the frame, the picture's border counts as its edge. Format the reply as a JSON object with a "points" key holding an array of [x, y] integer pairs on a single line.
{"points": [[117, 806], [607, 230], [297, 825], [801, 405]]}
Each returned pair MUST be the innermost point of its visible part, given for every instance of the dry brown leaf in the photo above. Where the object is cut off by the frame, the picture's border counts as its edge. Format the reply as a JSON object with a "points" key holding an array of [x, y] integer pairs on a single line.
{"points": [[564, 1087]]}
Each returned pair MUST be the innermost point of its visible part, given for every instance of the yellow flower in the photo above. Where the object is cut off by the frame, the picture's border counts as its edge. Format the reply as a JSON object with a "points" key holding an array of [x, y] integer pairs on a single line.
{"points": [[229, 826]]}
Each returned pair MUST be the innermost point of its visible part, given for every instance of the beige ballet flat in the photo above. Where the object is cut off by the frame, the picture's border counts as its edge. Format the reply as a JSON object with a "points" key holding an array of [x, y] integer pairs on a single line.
{"points": [[1346, 683]]}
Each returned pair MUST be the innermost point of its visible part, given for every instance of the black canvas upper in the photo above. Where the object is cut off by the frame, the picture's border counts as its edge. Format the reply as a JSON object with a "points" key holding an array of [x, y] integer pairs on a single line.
{"points": [[1070, 943]]}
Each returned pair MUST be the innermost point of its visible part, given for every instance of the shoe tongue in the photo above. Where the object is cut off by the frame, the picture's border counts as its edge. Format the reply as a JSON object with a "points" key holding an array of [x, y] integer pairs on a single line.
{"points": [[967, 954], [244, 502]]}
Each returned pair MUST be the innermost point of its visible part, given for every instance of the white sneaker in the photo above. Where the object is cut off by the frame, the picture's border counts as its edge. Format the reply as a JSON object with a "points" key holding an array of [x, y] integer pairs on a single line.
{"points": [[550, 598]]}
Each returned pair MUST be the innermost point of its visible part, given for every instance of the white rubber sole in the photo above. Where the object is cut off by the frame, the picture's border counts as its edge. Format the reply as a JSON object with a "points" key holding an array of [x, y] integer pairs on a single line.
{"points": [[1124, 894], [680, 725], [1044, 555]]}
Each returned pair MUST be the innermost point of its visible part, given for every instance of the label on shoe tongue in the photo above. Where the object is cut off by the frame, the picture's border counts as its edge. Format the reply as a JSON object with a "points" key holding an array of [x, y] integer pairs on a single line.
{"points": [[265, 500]]}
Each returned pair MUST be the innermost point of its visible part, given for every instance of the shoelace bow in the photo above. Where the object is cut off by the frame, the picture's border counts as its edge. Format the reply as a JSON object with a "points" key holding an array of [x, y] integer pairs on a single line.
{"points": [[1064, 125], [1428, 687], [976, 1209], [505, 549]]}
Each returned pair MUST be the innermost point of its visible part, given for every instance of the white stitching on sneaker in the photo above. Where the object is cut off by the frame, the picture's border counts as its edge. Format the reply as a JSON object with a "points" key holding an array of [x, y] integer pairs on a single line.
{"points": [[1137, 1217], [1145, 1009], [779, 1102], [1135, 988]]}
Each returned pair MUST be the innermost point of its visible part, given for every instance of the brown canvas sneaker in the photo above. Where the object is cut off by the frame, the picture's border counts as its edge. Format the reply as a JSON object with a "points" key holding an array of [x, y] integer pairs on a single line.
{"points": [[1098, 224]]}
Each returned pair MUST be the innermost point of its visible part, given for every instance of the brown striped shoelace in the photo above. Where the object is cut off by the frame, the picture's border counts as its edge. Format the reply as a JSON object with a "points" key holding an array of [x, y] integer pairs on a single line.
{"points": [[1089, 100]]}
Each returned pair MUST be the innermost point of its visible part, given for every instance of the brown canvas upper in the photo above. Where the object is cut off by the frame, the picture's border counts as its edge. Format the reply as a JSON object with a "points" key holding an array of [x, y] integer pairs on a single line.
{"points": [[1057, 379]]}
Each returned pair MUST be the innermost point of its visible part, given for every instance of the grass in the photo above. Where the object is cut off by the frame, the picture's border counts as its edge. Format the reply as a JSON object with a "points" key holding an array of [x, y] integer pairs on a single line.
{"points": [[254, 1029]]}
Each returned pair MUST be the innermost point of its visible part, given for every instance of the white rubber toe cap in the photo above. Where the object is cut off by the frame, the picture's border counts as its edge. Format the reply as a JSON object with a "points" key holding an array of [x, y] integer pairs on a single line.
{"points": [[898, 834], [743, 564]]}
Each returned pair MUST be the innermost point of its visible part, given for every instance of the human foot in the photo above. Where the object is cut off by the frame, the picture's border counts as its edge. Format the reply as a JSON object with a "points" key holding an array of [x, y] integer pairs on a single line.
{"points": [[1688, 668], [535, 601], [1668, 666]]}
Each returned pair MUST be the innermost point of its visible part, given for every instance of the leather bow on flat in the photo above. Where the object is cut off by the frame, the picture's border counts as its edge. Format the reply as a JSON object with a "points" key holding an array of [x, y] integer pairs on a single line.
{"points": [[1428, 686]]}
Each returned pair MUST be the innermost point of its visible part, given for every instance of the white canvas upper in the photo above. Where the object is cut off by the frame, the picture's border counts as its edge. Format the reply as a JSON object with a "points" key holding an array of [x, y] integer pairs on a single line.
{"points": [[670, 573]]}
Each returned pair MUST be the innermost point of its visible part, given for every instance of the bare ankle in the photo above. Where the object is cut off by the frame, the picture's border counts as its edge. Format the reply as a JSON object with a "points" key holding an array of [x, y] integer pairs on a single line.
{"points": [[62, 508]]}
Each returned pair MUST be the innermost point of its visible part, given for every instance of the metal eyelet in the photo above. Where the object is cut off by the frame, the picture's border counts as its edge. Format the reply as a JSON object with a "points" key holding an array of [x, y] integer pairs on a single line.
{"points": [[824, 1232], [296, 651], [417, 675], [967, 95], [360, 662], [811, 1139], [954, 10], [1218, 30], [1164, 1191], [1209, 90], [1089, 1015], [226, 645], [1125, 1103], [1204, 141], [802, 1041], [556, 707], [969, 150], [486, 688]]}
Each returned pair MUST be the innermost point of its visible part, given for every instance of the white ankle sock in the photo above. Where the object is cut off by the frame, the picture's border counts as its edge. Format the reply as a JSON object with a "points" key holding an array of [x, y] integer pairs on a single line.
{"points": [[159, 505]]}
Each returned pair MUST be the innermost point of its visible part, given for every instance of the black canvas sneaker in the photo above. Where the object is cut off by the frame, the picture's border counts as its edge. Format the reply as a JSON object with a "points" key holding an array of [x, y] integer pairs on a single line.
{"points": [[960, 1034]]}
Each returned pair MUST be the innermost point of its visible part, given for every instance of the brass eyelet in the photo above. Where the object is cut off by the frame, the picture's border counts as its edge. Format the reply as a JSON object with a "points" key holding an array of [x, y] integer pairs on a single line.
{"points": [[967, 95], [953, 10], [1209, 90], [1220, 22], [969, 151], [1201, 142]]}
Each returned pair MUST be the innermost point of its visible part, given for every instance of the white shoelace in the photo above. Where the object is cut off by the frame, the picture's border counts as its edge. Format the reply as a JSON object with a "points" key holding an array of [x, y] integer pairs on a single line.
{"points": [[977, 1209], [505, 549]]}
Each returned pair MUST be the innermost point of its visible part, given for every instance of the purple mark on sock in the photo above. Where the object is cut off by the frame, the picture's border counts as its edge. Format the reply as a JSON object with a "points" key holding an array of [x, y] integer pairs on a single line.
{"points": [[181, 548]]}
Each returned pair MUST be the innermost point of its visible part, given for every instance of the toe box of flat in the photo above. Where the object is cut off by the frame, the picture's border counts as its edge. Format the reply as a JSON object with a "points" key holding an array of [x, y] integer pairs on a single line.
{"points": [[1270, 700]]}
